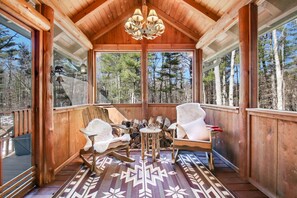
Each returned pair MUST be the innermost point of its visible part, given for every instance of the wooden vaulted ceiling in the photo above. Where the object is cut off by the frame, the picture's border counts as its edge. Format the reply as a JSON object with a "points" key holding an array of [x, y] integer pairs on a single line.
{"points": [[192, 17], [210, 24]]}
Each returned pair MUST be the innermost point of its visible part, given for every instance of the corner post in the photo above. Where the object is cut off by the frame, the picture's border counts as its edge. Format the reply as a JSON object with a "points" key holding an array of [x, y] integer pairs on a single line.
{"points": [[248, 29], [144, 79], [91, 77], [197, 76], [48, 138]]}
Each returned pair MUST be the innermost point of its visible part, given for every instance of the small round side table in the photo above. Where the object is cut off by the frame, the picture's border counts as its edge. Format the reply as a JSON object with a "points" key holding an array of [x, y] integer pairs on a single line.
{"points": [[146, 134]]}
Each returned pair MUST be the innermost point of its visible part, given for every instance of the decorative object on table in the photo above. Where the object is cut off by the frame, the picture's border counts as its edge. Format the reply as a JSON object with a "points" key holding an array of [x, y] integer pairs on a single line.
{"points": [[100, 139], [192, 132], [189, 178]]}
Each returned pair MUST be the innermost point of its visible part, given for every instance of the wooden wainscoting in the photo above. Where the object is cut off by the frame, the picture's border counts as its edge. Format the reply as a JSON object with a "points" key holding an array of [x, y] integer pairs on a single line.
{"points": [[68, 139], [165, 110], [273, 152], [129, 111], [225, 144], [134, 111]]}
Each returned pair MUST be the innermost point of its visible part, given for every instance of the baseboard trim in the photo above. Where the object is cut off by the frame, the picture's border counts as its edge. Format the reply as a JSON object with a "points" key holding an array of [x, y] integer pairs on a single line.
{"points": [[261, 188], [65, 163], [235, 168]]}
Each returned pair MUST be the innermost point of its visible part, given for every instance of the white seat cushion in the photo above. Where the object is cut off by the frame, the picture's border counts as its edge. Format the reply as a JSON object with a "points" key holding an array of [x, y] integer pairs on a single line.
{"points": [[196, 130]]}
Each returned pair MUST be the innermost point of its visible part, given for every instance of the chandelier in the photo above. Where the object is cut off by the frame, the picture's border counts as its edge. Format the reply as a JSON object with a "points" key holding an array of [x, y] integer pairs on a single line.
{"points": [[139, 27]]}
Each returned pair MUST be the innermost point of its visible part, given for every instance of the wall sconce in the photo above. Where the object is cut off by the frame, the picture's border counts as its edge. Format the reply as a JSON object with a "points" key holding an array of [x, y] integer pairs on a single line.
{"points": [[83, 69]]}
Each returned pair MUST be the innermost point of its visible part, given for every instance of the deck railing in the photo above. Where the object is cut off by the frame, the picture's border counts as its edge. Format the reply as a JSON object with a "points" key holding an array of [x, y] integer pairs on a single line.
{"points": [[6, 130], [13, 124]]}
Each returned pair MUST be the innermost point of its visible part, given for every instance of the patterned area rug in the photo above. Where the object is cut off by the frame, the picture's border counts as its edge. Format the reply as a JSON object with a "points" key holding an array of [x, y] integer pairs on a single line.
{"points": [[188, 178]]}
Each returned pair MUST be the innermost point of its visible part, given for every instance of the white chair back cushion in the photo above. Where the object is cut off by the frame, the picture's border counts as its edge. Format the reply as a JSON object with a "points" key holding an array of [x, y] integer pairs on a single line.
{"points": [[189, 116], [189, 112], [197, 130]]}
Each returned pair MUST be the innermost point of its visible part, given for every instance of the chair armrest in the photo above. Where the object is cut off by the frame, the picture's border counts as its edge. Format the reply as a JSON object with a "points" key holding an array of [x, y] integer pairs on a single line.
{"points": [[88, 133], [119, 126], [173, 126]]}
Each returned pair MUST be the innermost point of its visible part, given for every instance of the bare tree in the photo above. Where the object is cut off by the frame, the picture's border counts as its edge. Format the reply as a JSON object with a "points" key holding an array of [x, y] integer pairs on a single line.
{"points": [[218, 85], [231, 80], [278, 72]]}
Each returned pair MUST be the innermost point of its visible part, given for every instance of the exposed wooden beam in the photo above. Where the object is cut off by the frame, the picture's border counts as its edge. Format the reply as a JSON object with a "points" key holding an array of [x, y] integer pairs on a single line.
{"points": [[27, 11], [115, 23], [222, 25], [80, 16], [66, 24], [177, 25], [202, 9], [66, 52]]}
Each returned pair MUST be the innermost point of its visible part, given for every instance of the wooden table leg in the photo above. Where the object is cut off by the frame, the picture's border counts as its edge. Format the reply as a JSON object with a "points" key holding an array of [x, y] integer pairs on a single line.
{"points": [[147, 142], [158, 145], [154, 147], [142, 145]]}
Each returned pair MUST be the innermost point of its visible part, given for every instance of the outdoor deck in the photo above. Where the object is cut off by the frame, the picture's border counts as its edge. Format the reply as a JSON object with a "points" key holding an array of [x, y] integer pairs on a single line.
{"points": [[15, 165], [229, 178]]}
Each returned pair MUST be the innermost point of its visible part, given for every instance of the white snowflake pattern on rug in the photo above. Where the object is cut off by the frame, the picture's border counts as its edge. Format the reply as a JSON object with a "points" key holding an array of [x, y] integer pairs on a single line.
{"points": [[114, 193], [144, 175], [176, 192]]}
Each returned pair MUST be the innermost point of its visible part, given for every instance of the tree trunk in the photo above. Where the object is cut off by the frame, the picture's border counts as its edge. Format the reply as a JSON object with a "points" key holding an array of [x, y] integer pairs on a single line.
{"points": [[278, 72], [218, 85], [224, 88], [231, 80]]}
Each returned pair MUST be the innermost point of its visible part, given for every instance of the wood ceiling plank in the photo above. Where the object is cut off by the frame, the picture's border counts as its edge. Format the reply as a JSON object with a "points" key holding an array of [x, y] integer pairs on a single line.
{"points": [[177, 25], [177, 11], [113, 10], [174, 9], [183, 15], [188, 17], [103, 17], [66, 24], [169, 6], [113, 24], [222, 25], [80, 16], [202, 9], [118, 8]]}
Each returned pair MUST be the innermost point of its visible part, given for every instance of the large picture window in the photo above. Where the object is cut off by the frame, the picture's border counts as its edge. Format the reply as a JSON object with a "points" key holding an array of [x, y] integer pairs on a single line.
{"points": [[278, 68], [70, 81], [15, 66], [15, 96], [170, 77], [118, 77], [221, 79]]}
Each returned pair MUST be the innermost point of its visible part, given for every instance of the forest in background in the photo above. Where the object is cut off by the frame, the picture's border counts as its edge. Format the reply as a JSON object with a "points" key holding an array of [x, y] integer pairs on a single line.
{"points": [[221, 80], [169, 77], [277, 72], [15, 70]]}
